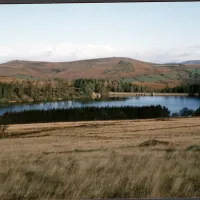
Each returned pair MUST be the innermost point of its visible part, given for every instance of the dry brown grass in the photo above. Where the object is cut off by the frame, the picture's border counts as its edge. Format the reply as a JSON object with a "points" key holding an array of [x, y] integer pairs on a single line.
{"points": [[94, 68], [101, 160], [153, 85]]}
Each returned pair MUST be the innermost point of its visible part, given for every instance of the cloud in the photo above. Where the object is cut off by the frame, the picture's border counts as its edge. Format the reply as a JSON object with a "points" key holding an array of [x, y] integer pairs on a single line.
{"points": [[4, 51], [70, 52], [171, 55], [58, 52]]}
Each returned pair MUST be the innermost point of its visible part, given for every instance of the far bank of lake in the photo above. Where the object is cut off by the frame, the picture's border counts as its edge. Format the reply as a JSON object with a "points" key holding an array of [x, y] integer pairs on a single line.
{"points": [[130, 94]]}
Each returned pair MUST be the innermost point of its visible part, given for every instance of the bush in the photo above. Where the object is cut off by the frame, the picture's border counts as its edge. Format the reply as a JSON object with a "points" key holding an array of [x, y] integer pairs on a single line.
{"points": [[3, 128], [185, 112], [197, 112], [25, 98], [4, 101], [175, 115]]}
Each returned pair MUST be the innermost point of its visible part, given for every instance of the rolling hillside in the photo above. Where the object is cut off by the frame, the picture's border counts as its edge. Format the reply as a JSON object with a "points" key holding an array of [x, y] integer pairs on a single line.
{"points": [[115, 67], [188, 62], [196, 62]]}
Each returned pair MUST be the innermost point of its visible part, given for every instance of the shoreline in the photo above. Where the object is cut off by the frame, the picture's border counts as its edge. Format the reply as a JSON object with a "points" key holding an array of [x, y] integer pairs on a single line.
{"points": [[128, 94], [110, 95], [98, 122]]}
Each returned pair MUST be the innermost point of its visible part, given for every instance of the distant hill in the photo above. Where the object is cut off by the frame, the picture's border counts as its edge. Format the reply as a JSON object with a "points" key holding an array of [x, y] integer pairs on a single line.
{"points": [[94, 68], [191, 62], [111, 68], [188, 62], [171, 63]]}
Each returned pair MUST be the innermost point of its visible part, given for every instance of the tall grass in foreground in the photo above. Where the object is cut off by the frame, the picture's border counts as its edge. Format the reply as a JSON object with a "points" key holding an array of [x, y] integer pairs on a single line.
{"points": [[144, 175]]}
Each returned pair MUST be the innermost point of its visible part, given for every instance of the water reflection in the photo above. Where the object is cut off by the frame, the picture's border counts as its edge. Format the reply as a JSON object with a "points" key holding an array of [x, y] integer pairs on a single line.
{"points": [[173, 103]]}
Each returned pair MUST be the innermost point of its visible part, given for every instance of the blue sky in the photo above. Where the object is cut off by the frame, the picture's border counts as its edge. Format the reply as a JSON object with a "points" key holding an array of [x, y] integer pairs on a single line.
{"points": [[158, 32]]}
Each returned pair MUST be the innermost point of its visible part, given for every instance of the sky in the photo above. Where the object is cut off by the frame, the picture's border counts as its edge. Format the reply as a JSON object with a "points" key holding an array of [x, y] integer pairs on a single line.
{"points": [[154, 32]]}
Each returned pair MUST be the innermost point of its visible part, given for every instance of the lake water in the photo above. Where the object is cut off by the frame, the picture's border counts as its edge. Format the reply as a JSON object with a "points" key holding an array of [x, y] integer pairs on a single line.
{"points": [[173, 103]]}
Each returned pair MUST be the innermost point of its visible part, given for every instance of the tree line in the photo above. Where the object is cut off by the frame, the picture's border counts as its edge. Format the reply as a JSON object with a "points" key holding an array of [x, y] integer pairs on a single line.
{"points": [[103, 86], [191, 89], [190, 85], [185, 112], [26, 91], [92, 113], [84, 114]]}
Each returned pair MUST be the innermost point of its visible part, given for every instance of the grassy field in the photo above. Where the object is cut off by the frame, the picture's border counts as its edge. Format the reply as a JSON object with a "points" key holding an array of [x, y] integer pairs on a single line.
{"points": [[110, 159]]}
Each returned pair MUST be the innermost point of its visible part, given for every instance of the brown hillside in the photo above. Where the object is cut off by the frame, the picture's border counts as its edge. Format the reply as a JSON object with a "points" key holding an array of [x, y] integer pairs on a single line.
{"points": [[95, 68], [114, 67]]}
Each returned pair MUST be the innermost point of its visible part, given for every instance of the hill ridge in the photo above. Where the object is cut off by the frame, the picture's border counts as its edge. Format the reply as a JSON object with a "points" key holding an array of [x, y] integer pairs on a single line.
{"points": [[105, 68]]}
